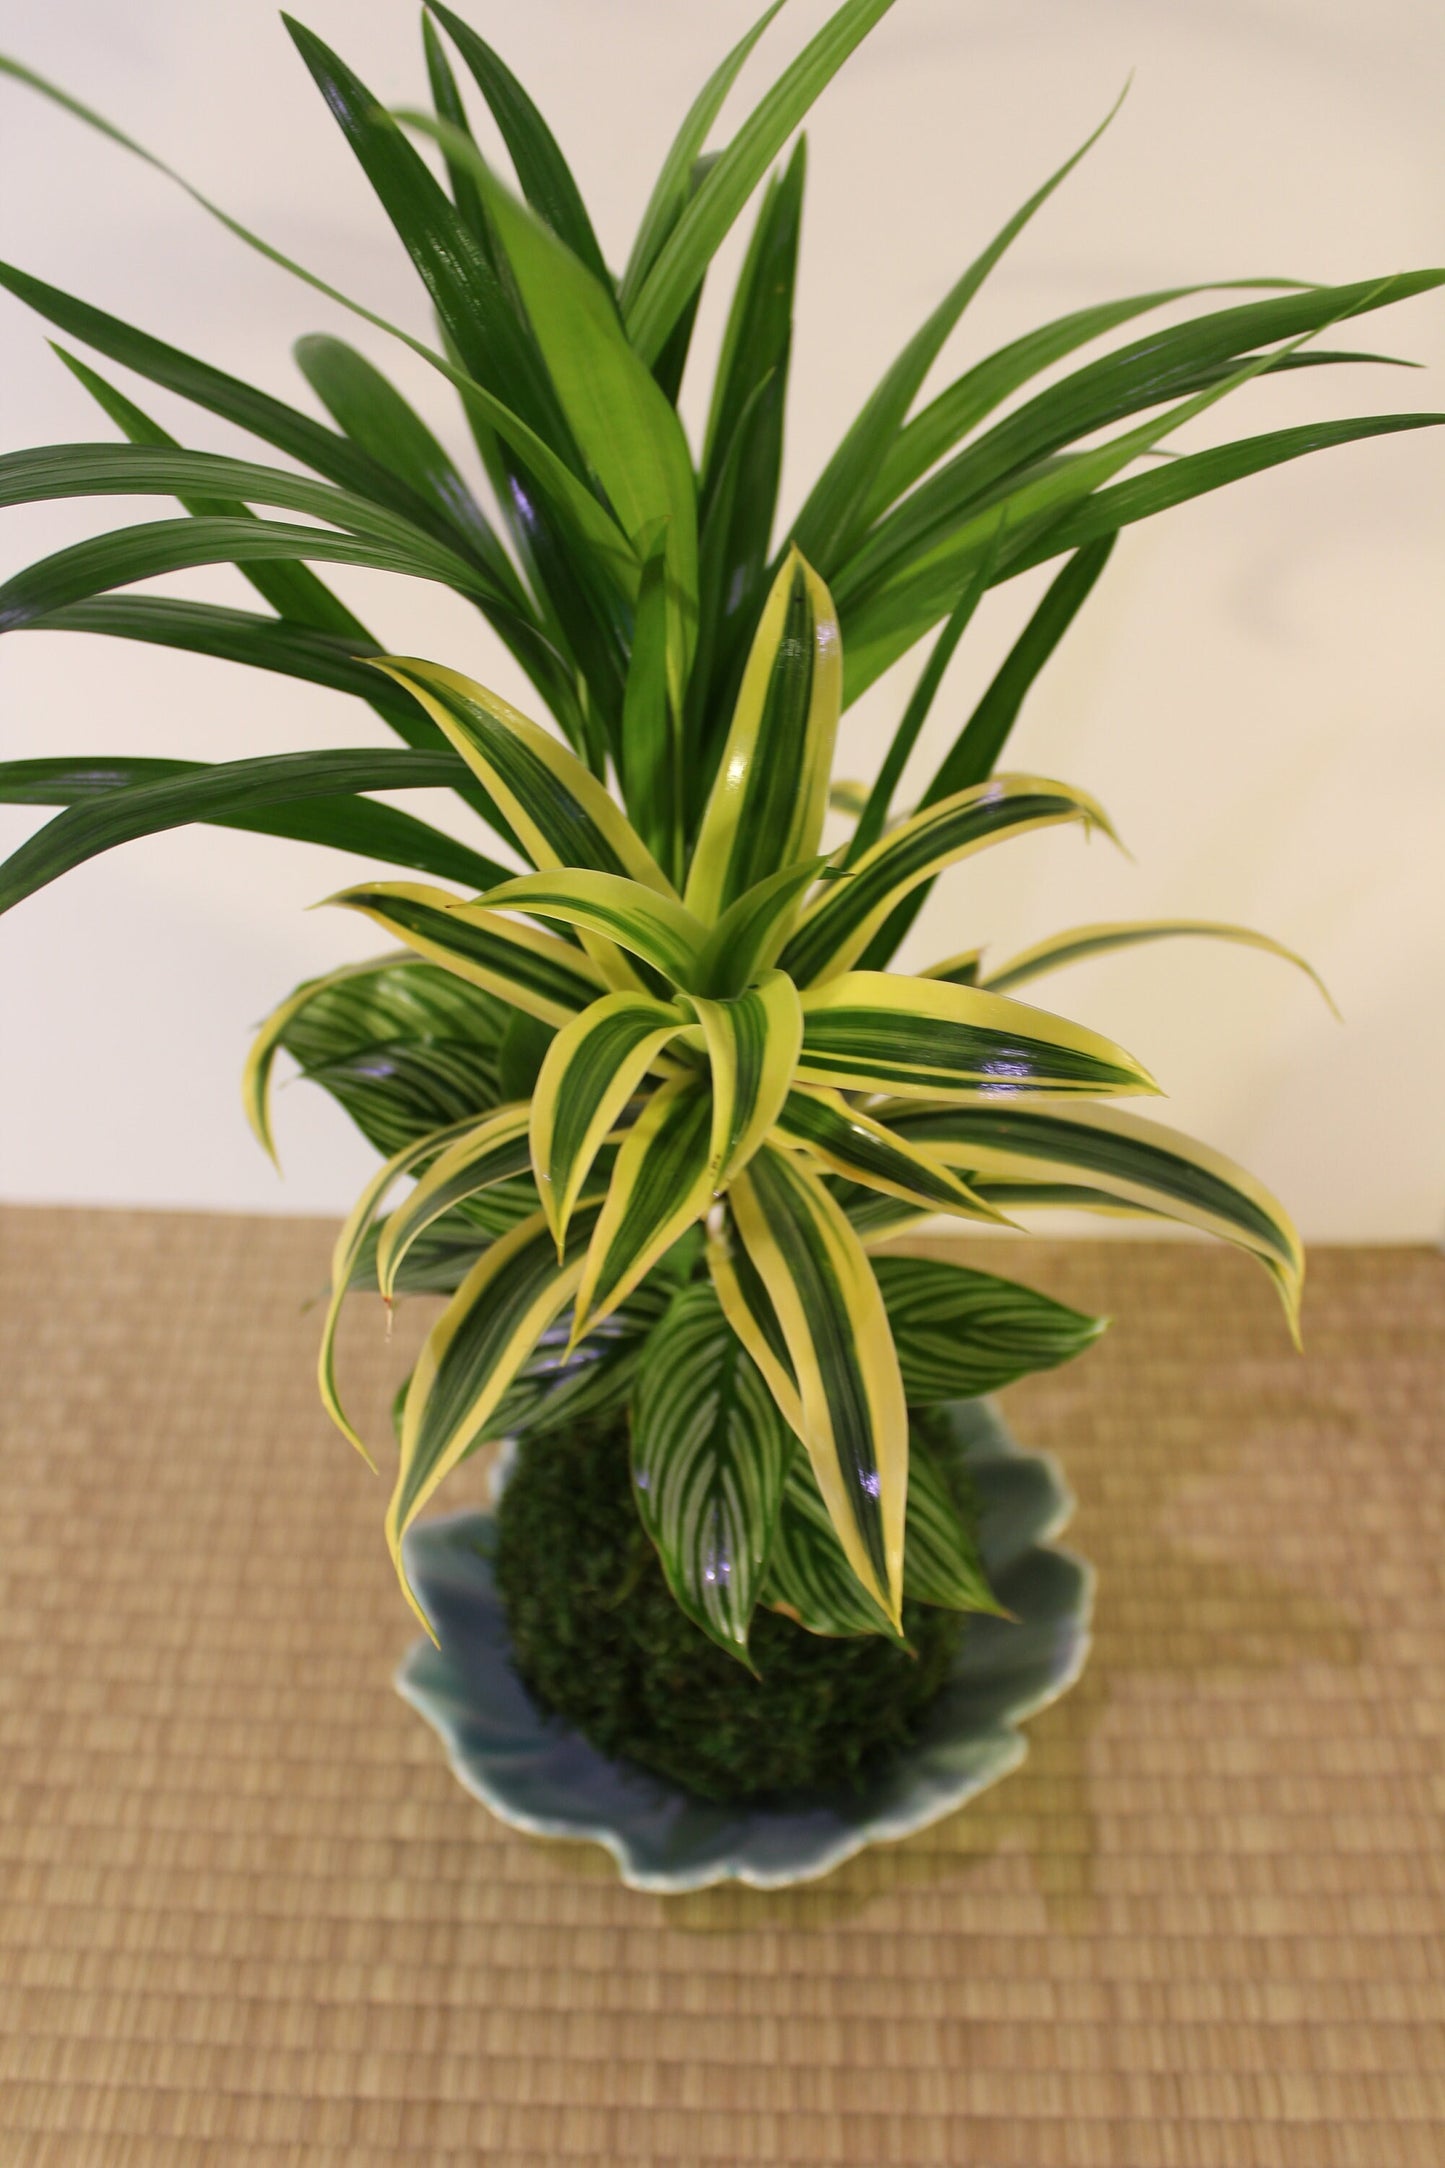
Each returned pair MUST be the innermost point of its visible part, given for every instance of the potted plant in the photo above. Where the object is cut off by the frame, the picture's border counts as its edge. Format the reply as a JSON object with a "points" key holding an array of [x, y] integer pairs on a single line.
{"points": [[658, 1089]]}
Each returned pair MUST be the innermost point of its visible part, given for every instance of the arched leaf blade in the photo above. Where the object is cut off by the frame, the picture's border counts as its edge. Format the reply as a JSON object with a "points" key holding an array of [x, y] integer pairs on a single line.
{"points": [[227, 790], [475, 1156], [961, 1333], [880, 1031], [472, 1355], [561, 813], [749, 1310], [746, 940], [591, 1070], [854, 1420], [341, 823], [709, 1456], [768, 801], [752, 1041], [660, 1187], [850, 1143], [1136, 1163], [1081, 942], [838, 927], [519, 964], [624, 912]]}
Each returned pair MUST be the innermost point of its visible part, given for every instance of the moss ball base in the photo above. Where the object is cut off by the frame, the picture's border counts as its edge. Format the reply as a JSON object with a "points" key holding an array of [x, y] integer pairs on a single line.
{"points": [[597, 1639]]}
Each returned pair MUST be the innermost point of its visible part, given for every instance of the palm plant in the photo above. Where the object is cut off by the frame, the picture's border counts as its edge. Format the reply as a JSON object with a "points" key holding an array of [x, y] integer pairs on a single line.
{"points": [[660, 1094]]}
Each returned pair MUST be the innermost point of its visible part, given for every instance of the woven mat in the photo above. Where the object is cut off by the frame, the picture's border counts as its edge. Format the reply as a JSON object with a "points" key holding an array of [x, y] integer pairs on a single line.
{"points": [[247, 1916]]}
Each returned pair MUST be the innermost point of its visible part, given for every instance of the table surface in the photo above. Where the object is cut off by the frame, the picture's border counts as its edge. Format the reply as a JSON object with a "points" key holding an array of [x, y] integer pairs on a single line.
{"points": [[246, 1915]]}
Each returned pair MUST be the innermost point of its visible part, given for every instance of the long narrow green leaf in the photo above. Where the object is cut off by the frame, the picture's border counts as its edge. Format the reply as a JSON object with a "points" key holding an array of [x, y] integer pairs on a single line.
{"points": [[839, 926], [591, 1070], [880, 1031], [447, 99], [830, 519], [214, 792], [651, 766], [960, 1333], [748, 938], [709, 1456], [752, 1047], [694, 239], [519, 964], [373, 413], [545, 177], [673, 186], [1101, 940], [854, 1420], [767, 805], [342, 823]]}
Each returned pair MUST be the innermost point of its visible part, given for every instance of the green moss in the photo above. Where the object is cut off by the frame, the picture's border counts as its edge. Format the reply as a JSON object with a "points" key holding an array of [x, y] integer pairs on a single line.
{"points": [[598, 1639]]}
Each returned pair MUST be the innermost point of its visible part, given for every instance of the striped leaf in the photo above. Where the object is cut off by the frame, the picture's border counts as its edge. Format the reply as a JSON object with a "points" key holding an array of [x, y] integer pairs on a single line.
{"points": [[766, 807], [811, 1581], [709, 1455], [752, 1046], [959, 970], [748, 1308], [660, 1188], [472, 1355], [520, 964], [1132, 1162], [850, 1143], [561, 813], [747, 938], [256, 1076], [854, 1418], [960, 1333], [395, 1091], [878, 1031], [482, 1154], [1082, 941], [591, 1070], [648, 924], [347, 1253], [838, 927]]}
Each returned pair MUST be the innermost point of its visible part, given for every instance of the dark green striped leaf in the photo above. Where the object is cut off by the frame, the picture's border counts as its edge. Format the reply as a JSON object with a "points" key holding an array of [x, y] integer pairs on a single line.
{"points": [[709, 1455], [960, 1333], [591, 1070], [851, 1144], [661, 1188], [519, 964]]}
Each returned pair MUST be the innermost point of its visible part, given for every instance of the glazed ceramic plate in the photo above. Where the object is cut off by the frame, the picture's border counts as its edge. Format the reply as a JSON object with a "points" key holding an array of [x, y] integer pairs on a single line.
{"points": [[539, 1775]]}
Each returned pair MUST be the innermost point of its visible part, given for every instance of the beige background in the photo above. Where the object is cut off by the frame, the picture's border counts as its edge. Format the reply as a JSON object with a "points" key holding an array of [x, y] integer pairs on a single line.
{"points": [[1254, 691]]}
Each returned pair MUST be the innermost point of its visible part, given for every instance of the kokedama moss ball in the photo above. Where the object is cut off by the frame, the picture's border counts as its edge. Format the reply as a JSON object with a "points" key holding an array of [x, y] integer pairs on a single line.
{"points": [[598, 1639]]}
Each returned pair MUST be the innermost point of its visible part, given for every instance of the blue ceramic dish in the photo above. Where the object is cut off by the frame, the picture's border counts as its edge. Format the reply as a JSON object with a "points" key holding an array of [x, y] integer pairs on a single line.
{"points": [[539, 1775]]}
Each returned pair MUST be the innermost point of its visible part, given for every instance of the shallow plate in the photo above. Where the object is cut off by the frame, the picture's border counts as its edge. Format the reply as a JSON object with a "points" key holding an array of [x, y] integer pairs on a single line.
{"points": [[539, 1775]]}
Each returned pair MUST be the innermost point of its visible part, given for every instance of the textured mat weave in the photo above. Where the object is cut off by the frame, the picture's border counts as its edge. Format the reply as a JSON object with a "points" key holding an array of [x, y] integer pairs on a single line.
{"points": [[246, 1916]]}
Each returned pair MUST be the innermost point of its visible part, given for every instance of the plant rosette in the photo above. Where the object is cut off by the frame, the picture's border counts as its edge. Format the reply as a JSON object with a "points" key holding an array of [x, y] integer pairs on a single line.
{"points": [[656, 1085], [541, 1776]]}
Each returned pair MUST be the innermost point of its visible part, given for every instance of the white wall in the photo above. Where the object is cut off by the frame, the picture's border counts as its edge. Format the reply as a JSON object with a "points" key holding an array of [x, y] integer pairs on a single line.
{"points": [[1254, 691]]}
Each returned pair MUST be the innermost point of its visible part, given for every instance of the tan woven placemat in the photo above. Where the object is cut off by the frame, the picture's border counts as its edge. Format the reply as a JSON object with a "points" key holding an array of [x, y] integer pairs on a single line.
{"points": [[248, 1916]]}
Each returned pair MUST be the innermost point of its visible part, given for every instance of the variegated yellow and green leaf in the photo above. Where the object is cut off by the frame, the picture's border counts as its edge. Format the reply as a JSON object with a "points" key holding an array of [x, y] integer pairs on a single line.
{"points": [[533, 970], [811, 1581], [561, 813], [256, 1076], [1132, 1162], [1081, 942], [487, 1152], [347, 1251], [959, 970], [838, 927], [472, 1355], [752, 1048], [748, 1308], [592, 1069], [766, 807], [749, 936], [960, 1333], [710, 1452], [623, 912], [849, 1142], [661, 1186], [879, 1031], [854, 1418]]}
